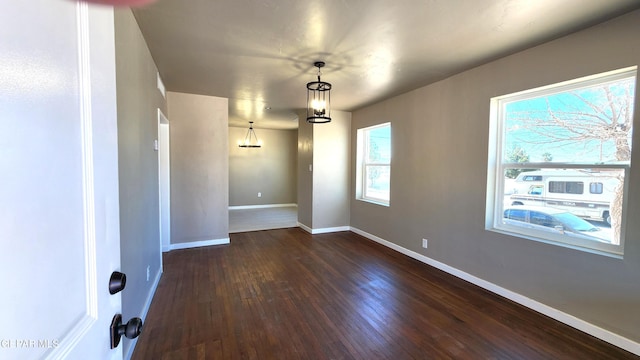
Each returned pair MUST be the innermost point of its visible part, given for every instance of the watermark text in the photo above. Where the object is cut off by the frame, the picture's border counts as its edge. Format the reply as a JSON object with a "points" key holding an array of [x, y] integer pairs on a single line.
{"points": [[29, 343]]}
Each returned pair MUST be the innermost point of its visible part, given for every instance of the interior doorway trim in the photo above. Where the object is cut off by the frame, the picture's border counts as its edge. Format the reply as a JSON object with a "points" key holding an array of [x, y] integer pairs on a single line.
{"points": [[164, 181]]}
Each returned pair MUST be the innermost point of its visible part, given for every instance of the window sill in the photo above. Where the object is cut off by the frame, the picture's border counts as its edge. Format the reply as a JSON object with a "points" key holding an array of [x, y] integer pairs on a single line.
{"points": [[377, 202], [557, 243]]}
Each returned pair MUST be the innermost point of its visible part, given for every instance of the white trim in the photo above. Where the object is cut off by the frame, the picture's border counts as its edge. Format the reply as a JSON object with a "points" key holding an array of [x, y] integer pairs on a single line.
{"points": [[246, 207], [591, 329], [161, 86], [86, 322], [330, 230], [305, 228], [145, 311], [374, 201], [164, 175], [195, 244], [324, 230], [84, 69]]}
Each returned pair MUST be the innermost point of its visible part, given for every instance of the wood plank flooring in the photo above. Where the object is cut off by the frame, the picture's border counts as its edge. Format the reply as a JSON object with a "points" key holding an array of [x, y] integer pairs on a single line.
{"points": [[286, 294]]}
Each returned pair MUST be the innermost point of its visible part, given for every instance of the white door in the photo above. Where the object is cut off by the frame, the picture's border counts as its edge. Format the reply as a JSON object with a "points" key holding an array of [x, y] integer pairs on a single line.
{"points": [[59, 222]]}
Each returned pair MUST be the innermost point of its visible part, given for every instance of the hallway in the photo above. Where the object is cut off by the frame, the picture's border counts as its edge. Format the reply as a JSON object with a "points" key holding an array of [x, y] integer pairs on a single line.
{"points": [[241, 220]]}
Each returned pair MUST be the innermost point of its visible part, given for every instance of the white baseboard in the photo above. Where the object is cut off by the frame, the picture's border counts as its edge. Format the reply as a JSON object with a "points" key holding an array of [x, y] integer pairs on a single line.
{"points": [[195, 244], [245, 207], [305, 228], [323, 230], [145, 310], [593, 330], [330, 230]]}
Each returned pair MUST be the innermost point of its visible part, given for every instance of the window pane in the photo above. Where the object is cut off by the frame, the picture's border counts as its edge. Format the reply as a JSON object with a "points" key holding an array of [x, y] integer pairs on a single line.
{"points": [[515, 214], [541, 219], [379, 145], [373, 164], [556, 141], [590, 124], [574, 187], [532, 178], [377, 182], [556, 187], [566, 187], [595, 188], [558, 190]]}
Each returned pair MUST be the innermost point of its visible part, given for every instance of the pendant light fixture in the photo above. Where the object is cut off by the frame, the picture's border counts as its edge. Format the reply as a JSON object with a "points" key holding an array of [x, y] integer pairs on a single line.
{"points": [[318, 99], [248, 140]]}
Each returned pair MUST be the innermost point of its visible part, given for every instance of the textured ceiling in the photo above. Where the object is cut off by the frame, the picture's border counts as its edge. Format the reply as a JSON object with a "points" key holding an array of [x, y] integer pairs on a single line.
{"points": [[260, 53]]}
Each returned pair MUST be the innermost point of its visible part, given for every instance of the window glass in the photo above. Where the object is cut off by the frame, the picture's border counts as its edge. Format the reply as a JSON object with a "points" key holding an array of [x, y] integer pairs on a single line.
{"points": [[516, 214], [574, 187], [537, 218], [532, 178], [596, 188], [377, 182], [561, 137], [374, 164], [536, 190], [379, 145], [556, 187], [566, 187]]}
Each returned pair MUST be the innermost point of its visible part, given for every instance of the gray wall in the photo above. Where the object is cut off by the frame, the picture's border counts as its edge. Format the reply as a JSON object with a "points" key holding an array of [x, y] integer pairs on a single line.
{"points": [[271, 169], [439, 172], [199, 167], [323, 193], [305, 177], [331, 146], [138, 101]]}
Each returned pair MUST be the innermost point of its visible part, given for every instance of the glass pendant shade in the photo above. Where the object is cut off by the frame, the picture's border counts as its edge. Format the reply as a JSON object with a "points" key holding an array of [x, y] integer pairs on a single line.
{"points": [[318, 99]]}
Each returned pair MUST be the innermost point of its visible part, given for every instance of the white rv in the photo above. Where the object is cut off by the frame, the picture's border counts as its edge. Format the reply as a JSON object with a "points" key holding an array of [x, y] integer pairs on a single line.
{"points": [[583, 193]]}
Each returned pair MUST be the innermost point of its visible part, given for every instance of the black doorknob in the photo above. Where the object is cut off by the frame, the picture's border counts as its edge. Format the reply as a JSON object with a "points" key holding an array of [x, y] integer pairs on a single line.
{"points": [[131, 329], [117, 282]]}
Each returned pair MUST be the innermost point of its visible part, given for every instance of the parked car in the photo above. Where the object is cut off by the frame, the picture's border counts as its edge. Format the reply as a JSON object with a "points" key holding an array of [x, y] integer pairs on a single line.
{"points": [[553, 220]]}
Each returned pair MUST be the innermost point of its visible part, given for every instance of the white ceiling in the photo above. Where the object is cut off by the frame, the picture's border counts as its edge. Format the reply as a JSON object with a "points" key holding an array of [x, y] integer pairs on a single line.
{"points": [[260, 53]]}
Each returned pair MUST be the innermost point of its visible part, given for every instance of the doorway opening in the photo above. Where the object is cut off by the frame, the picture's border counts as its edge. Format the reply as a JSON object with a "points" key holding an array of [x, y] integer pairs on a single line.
{"points": [[164, 181]]}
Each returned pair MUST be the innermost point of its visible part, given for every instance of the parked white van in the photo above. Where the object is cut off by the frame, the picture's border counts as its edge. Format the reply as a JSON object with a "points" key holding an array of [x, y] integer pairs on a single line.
{"points": [[582, 193]]}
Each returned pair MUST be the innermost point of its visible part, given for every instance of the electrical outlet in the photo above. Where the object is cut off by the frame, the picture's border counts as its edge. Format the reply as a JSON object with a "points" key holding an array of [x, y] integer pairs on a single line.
{"points": [[259, 194], [148, 272], [424, 243]]}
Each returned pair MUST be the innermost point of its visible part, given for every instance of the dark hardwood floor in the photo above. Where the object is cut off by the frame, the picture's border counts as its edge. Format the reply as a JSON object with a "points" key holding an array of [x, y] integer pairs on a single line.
{"points": [[286, 294]]}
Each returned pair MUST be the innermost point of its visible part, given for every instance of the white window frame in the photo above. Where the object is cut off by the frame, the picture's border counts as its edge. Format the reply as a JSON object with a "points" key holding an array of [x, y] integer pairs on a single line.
{"points": [[496, 168], [362, 149]]}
